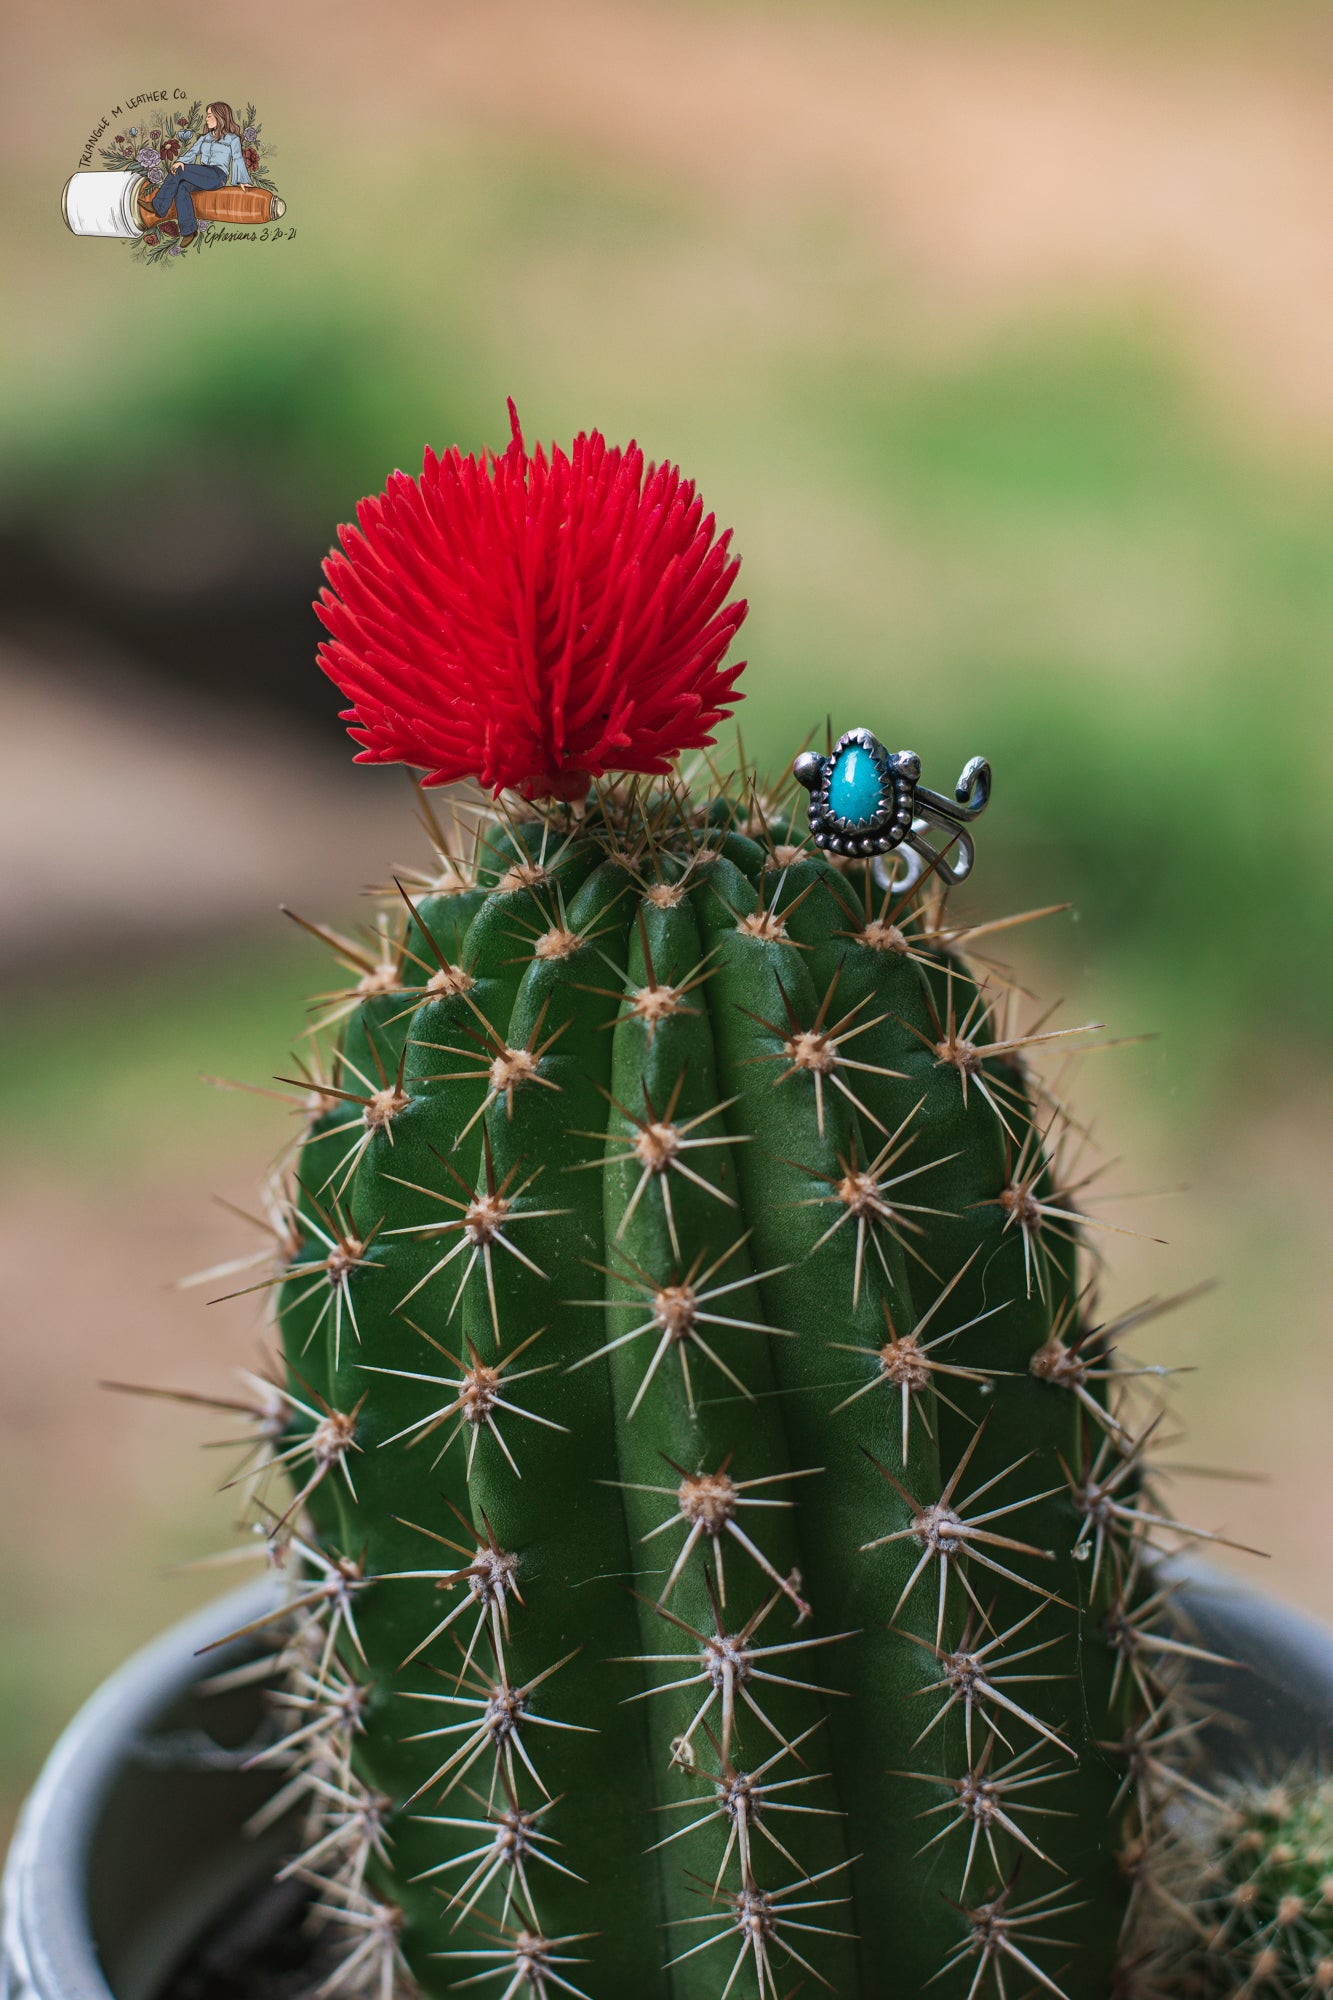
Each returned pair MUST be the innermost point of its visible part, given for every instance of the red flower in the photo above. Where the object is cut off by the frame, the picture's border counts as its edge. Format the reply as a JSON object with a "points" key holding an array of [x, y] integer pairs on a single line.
{"points": [[151, 236], [171, 227], [170, 148], [250, 154], [530, 621]]}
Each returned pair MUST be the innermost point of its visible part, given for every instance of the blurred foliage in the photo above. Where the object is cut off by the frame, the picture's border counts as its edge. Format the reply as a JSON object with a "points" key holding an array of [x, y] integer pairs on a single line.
{"points": [[134, 1075], [310, 405]]}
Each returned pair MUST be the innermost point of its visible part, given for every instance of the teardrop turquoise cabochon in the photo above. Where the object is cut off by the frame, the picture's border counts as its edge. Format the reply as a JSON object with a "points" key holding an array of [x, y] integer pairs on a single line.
{"points": [[855, 789]]}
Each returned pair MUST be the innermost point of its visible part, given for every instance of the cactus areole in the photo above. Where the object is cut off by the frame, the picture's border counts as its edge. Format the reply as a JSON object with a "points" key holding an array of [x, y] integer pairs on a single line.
{"points": [[717, 1521]]}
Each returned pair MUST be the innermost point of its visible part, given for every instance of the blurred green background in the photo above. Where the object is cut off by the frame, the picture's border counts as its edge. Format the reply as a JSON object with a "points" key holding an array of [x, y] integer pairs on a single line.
{"points": [[1000, 333]]}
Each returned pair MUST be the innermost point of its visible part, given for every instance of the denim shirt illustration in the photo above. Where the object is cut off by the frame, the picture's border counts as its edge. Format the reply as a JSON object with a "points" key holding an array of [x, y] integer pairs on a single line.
{"points": [[223, 153]]}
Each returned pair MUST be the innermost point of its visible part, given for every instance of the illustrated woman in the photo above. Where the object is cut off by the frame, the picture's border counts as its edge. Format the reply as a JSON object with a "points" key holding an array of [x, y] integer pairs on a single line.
{"points": [[213, 160]]}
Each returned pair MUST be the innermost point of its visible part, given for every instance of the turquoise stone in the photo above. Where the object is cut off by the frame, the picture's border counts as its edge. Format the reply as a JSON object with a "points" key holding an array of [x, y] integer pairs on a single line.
{"points": [[855, 790]]}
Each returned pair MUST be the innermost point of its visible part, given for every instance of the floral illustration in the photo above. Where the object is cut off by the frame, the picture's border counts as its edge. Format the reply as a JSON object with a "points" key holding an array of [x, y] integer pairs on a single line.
{"points": [[153, 150]]}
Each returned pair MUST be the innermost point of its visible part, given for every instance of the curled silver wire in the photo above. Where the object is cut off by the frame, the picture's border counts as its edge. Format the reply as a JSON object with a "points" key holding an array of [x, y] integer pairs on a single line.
{"points": [[952, 861]]}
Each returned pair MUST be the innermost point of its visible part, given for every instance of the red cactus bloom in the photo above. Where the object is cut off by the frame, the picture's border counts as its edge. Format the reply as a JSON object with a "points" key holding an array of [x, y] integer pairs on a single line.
{"points": [[171, 227], [532, 621]]}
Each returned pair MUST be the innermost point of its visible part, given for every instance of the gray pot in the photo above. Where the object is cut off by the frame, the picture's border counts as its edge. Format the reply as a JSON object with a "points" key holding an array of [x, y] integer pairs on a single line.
{"points": [[131, 1845]]}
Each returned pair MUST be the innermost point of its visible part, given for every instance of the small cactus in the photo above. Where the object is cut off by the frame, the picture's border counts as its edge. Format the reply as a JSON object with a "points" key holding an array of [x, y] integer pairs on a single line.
{"points": [[1253, 1912], [719, 1526]]}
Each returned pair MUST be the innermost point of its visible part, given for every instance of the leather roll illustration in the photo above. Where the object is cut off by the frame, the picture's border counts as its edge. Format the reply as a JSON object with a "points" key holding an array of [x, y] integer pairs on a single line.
{"points": [[120, 204]]}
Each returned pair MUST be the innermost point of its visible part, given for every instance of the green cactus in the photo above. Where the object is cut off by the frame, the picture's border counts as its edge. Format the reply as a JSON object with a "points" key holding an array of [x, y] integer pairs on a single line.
{"points": [[718, 1525], [710, 1478], [1252, 1908]]}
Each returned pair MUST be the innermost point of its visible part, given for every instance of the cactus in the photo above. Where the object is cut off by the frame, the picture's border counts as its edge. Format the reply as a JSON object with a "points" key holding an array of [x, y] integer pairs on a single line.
{"points": [[719, 1529], [1252, 1911]]}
